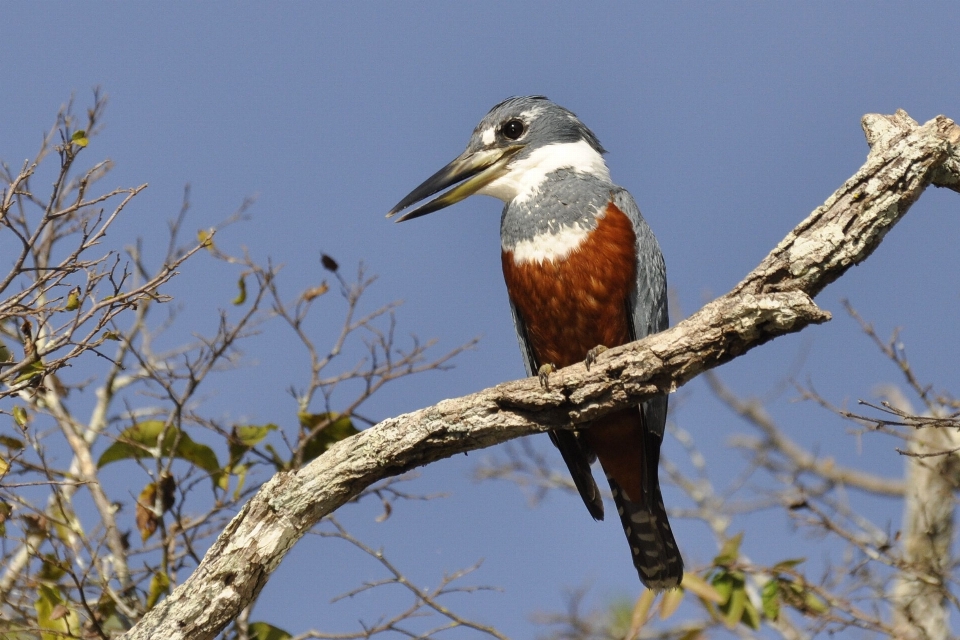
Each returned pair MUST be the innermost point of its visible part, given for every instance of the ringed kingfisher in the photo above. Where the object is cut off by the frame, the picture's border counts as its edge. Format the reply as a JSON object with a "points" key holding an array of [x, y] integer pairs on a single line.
{"points": [[583, 272]]}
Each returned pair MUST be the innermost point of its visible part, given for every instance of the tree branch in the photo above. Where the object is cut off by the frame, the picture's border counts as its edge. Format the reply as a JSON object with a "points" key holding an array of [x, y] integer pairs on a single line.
{"points": [[775, 440], [773, 300]]}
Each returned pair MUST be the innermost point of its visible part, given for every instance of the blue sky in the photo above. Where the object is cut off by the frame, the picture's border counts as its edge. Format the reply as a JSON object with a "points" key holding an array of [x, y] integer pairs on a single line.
{"points": [[729, 123]]}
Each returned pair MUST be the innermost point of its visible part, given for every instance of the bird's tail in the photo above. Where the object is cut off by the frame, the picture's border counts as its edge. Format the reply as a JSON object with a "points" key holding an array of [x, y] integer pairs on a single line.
{"points": [[652, 545]]}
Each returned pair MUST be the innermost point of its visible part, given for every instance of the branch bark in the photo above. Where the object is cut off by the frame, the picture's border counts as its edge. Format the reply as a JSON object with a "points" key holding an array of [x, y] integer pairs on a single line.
{"points": [[920, 607], [773, 300]]}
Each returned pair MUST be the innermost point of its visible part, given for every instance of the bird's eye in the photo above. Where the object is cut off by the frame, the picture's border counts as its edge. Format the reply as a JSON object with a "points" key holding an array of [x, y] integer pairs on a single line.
{"points": [[513, 129]]}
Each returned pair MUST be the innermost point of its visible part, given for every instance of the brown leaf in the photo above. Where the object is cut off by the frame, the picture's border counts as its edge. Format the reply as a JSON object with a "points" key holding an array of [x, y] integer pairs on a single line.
{"points": [[35, 523], [168, 488], [315, 292], [147, 520], [387, 510], [59, 610], [329, 263], [29, 348]]}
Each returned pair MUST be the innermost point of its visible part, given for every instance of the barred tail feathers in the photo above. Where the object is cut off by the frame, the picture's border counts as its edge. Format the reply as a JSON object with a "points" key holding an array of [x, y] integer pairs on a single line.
{"points": [[652, 545]]}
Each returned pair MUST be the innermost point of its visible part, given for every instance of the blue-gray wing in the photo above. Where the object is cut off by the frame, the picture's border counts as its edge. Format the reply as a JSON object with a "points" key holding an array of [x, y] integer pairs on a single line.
{"points": [[647, 304], [529, 361], [574, 452]]}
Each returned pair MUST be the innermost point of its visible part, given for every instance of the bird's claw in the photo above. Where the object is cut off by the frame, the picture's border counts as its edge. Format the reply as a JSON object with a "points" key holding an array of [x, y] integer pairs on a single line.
{"points": [[592, 355], [543, 373]]}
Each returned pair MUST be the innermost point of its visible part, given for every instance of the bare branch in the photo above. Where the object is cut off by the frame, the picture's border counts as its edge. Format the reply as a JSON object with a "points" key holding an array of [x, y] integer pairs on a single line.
{"points": [[425, 600], [777, 441]]}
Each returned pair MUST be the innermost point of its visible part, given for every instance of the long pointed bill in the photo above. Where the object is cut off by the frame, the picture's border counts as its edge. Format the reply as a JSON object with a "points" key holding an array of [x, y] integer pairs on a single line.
{"points": [[472, 170]]}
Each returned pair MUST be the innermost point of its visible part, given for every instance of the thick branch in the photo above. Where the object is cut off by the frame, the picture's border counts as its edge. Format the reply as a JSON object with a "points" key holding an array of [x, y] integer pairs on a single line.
{"points": [[773, 300], [847, 228], [921, 610]]}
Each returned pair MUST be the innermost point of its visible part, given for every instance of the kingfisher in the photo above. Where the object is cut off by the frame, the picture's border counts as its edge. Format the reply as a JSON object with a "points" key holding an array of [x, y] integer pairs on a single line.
{"points": [[584, 272]]}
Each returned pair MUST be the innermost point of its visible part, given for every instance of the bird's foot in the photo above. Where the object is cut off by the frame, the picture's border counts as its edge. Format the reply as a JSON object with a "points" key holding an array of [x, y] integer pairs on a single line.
{"points": [[592, 355], [543, 373]]}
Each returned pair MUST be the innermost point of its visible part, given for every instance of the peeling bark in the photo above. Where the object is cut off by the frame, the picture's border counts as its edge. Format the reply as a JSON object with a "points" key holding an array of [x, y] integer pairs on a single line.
{"points": [[773, 300]]}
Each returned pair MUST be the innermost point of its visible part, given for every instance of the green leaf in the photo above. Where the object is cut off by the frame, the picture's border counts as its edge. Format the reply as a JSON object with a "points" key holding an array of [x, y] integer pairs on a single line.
{"points": [[55, 615], [337, 428], [65, 523], [159, 587], [729, 552], [751, 617], [245, 437], [13, 444], [733, 610], [73, 300], [815, 603], [241, 472], [795, 593], [20, 417], [242, 296], [79, 138], [51, 570], [4, 467], [310, 421], [5, 511], [264, 631], [32, 371], [242, 439], [222, 479], [737, 608], [200, 455], [278, 462], [142, 441], [251, 435], [723, 583], [109, 620], [788, 564], [770, 598]]}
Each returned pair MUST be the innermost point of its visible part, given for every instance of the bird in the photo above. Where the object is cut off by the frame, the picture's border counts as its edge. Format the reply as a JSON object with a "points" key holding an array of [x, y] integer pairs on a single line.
{"points": [[583, 272]]}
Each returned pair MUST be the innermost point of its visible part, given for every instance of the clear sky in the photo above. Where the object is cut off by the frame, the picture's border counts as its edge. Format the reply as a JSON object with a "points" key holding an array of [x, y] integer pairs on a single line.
{"points": [[729, 123]]}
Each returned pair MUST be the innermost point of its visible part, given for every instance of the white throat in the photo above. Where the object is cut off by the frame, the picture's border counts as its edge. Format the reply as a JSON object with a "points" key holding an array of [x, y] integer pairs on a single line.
{"points": [[525, 176], [550, 246]]}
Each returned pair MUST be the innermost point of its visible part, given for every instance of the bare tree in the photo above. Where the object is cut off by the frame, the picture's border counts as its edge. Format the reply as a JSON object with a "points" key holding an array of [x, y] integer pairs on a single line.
{"points": [[71, 304]]}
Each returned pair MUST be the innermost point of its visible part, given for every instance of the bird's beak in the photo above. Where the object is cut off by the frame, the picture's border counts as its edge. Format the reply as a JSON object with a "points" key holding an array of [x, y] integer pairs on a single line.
{"points": [[472, 169]]}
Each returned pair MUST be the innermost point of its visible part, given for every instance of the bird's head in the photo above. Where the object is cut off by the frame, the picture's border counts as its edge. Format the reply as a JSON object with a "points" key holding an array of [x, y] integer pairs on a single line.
{"points": [[511, 152]]}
